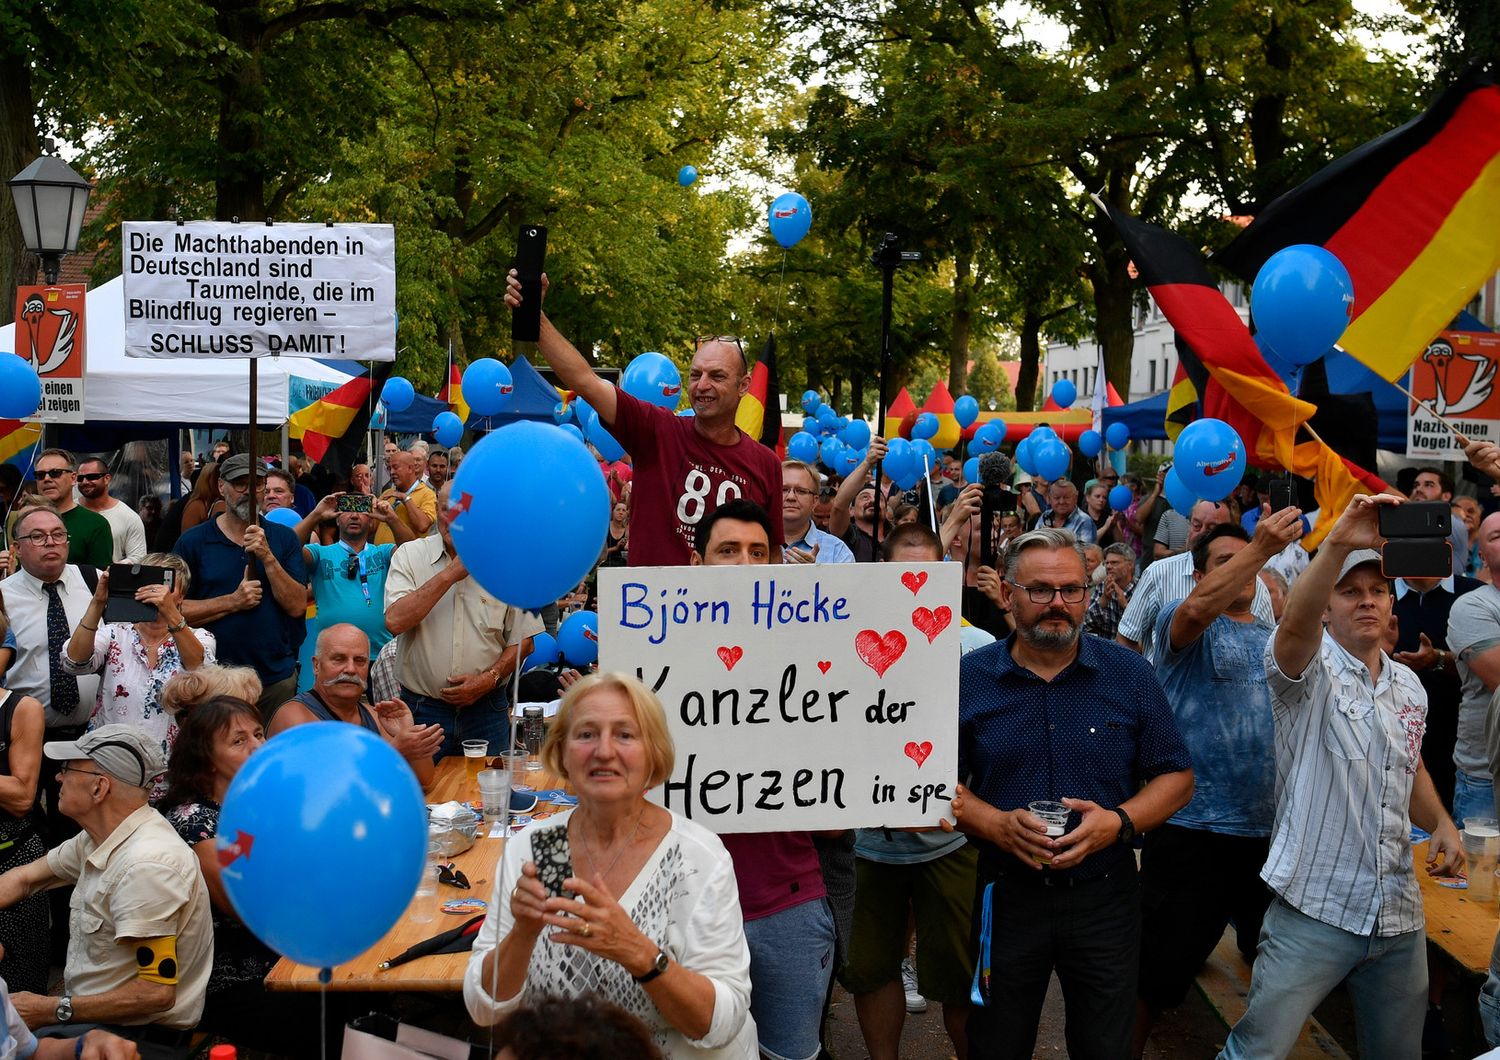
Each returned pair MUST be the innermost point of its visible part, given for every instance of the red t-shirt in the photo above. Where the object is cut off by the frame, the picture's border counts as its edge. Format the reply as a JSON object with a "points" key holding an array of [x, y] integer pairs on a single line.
{"points": [[774, 871], [679, 477]]}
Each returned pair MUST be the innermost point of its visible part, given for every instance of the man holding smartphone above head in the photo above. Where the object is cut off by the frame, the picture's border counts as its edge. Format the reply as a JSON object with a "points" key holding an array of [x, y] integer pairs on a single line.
{"points": [[684, 466]]}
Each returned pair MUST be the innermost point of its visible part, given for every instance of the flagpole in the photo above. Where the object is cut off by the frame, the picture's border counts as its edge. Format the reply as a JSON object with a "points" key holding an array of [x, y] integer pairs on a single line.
{"points": [[1436, 415]]}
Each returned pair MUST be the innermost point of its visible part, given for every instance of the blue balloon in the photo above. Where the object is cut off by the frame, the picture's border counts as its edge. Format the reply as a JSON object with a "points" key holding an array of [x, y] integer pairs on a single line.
{"points": [[544, 652], [487, 387], [283, 516], [1064, 393], [1117, 434], [398, 393], [988, 437], [924, 456], [1023, 456], [966, 411], [533, 512], [584, 412], [1178, 495], [573, 431], [1301, 301], [1090, 443], [925, 426], [20, 388], [802, 446], [810, 425], [1209, 459], [811, 399], [323, 805], [600, 438], [578, 638], [1121, 498], [562, 413], [856, 435], [829, 453], [447, 428], [849, 459], [909, 480], [826, 416], [789, 217], [654, 379], [686, 175], [1044, 431], [898, 461], [841, 425], [1050, 457], [971, 469]]}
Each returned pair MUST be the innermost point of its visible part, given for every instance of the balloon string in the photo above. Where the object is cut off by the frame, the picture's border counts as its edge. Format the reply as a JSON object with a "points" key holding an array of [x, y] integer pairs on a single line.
{"points": [[780, 288]]}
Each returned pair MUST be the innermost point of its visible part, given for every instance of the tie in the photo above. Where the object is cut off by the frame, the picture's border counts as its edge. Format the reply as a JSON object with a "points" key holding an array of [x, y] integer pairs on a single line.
{"points": [[64, 685]]}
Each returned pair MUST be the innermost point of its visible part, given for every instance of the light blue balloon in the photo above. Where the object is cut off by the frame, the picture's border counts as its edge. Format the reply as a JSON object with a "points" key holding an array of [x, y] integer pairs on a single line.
{"points": [[600, 438], [323, 805], [811, 399], [826, 416], [1117, 435], [1178, 495], [856, 435], [283, 516], [811, 425], [654, 379], [544, 652], [1039, 433], [487, 387], [562, 413], [1064, 393], [1301, 301], [578, 638], [1023, 456], [20, 388], [925, 426], [686, 175], [1050, 457], [398, 393], [1090, 443], [537, 512], [971, 469], [988, 437], [829, 453], [1121, 498], [573, 432], [908, 480], [584, 412], [923, 454], [849, 459], [966, 411], [1209, 459], [447, 428], [789, 218], [898, 461], [802, 446]]}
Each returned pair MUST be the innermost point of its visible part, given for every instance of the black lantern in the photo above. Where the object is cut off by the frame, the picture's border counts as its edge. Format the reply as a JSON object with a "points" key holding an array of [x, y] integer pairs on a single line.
{"points": [[50, 202]]}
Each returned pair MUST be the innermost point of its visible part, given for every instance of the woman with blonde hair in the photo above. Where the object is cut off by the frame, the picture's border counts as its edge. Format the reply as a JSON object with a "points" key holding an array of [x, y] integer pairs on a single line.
{"points": [[656, 925]]}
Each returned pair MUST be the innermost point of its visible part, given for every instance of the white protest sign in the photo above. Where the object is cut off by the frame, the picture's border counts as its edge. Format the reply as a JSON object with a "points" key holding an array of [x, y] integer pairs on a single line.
{"points": [[218, 289], [799, 697]]}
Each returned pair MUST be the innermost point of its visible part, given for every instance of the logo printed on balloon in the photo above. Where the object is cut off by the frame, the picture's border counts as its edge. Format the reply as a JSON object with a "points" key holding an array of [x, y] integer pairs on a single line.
{"points": [[1216, 469], [914, 580], [230, 852], [590, 634], [931, 623], [730, 656], [877, 652], [918, 752], [671, 390], [824, 664]]}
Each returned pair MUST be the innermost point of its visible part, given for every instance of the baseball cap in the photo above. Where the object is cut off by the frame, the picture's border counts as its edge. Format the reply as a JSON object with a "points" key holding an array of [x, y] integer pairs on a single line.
{"points": [[1358, 558], [125, 752], [238, 466]]}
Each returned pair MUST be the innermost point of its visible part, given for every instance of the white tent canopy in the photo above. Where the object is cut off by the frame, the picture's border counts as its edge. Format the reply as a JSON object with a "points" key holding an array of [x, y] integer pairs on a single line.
{"points": [[185, 391]]}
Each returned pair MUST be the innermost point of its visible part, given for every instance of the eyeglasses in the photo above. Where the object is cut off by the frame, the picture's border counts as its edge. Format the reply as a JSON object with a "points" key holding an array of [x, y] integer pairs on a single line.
{"points": [[797, 491], [39, 538], [54, 472], [69, 768], [1043, 594], [92, 476]]}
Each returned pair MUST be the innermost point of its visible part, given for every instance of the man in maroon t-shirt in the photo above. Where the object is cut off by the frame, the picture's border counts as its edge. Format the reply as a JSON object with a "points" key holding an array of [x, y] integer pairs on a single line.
{"points": [[683, 466]]}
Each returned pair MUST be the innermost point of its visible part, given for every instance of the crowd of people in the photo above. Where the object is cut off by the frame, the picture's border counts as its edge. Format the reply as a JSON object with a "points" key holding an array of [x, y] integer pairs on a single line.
{"points": [[1236, 730]]}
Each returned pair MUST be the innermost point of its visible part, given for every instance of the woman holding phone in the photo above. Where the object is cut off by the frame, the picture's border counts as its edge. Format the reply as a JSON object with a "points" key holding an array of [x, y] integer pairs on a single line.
{"points": [[136, 659], [655, 926]]}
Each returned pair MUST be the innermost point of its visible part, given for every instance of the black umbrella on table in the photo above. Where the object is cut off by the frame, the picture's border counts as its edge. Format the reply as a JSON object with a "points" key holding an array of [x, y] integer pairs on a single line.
{"points": [[454, 941]]}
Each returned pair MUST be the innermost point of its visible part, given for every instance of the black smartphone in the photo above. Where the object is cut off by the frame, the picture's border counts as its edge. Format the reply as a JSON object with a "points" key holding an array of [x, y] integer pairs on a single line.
{"points": [[1416, 519], [554, 860], [124, 580], [1416, 557], [1283, 495], [355, 502], [531, 255]]}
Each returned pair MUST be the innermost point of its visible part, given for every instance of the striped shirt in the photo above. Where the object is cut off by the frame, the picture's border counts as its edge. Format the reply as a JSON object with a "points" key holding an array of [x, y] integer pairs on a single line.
{"points": [[1163, 582], [1347, 751]]}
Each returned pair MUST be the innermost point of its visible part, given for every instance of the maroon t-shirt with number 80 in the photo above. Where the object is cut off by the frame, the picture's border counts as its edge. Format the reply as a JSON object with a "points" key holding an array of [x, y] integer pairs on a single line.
{"points": [[679, 477]]}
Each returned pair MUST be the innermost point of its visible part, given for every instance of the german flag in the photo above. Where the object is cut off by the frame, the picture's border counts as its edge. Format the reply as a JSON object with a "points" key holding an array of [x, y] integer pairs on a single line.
{"points": [[330, 428], [452, 394], [1190, 380], [759, 414], [1235, 383], [1413, 215]]}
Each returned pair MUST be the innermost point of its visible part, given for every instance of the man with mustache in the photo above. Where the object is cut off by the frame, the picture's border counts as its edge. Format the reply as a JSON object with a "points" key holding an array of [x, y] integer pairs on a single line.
{"points": [[1053, 714], [341, 671], [235, 562]]}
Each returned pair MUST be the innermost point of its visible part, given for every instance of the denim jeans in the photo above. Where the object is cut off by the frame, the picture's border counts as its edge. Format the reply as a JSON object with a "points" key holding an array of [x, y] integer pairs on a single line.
{"points": [[1301, 960], [485, 719], [791, 964], [1472, 797], [1489, 1002]]}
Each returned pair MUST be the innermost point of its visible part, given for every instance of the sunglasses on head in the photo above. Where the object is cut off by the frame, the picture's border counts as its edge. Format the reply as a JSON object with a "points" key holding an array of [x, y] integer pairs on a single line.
{"points": [[739, 344]]}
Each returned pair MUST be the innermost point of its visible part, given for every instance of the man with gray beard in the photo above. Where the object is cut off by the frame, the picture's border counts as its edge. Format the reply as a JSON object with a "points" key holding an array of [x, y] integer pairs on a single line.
{"points": [[249, 585], [341, 673], [1051, 714]]}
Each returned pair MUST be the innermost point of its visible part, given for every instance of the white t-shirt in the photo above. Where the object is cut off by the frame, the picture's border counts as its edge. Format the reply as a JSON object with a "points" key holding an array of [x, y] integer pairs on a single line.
{"points": [[128, 531]]}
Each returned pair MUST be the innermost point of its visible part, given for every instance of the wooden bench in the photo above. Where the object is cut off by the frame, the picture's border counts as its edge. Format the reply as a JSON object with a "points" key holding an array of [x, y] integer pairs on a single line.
{"points": [[1224, 983]]}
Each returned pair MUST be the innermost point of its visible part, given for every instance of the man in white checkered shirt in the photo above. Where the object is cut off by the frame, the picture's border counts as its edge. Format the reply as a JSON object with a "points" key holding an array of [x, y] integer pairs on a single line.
{"points": [[1349, 783]]}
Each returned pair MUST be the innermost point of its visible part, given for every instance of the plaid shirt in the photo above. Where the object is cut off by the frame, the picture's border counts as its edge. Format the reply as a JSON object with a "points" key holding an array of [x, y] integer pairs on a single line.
{"points": [[1103, 616]]}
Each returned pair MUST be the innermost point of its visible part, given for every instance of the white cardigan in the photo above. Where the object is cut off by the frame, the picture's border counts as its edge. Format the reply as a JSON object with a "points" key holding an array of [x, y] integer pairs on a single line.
{"points": [[684, 898]]}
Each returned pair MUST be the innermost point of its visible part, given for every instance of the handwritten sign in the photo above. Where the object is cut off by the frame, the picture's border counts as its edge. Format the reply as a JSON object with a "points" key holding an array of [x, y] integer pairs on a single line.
{"points": [[798, 697], [218, 289]]}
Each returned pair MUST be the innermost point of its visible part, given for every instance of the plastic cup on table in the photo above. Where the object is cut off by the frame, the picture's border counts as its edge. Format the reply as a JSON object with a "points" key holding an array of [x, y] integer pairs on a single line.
{"points": [[515, 765], [494, 793], [421, 906]]}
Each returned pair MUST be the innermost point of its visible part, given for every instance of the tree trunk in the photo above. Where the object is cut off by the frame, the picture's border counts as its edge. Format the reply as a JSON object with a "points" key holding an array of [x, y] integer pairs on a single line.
{"points": [[963, 320], [1031, 360], [18, 149], [835, 390], [240, 180], [857, 394], [1114, 301]]}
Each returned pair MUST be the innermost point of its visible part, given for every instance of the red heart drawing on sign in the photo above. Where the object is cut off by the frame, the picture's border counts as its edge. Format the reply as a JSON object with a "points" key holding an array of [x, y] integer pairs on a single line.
{"points": [[877, 652], [914, 580], [918, 752], [931, 623], [730, 656], [824, 665]]}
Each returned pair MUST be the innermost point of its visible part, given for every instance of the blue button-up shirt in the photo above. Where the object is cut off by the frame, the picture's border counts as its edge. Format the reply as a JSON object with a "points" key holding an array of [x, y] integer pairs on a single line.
{"points": [[1098, 730], [830, 549], [1080, 523]]}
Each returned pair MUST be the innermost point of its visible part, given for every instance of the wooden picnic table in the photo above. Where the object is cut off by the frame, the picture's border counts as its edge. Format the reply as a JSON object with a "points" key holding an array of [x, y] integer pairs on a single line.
{"points": [[1462, 928], [442, 972]]}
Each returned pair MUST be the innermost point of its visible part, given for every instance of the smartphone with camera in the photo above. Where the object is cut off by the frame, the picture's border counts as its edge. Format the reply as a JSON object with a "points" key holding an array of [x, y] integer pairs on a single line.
{"points": [[355, 502], [1416, 557], [531, 255], [1416, 519], [1283, 496], [554, 860]]}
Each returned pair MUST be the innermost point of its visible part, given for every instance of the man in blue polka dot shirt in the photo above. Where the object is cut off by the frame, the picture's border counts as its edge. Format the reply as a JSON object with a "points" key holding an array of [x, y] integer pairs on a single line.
{"points": [[1052, 714]]}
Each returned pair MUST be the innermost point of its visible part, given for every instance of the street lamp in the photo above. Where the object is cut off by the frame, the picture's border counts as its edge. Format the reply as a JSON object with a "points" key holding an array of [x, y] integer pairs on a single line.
{"points": [[50, 201]]}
